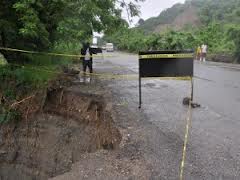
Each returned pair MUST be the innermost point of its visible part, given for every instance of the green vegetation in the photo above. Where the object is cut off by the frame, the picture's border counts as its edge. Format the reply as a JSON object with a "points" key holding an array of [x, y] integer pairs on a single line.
{"points": [[40, 25], [54, 26], [234, 35], [58, 26], [135, 40], [219, 29], [8, 115], [17, 82]]}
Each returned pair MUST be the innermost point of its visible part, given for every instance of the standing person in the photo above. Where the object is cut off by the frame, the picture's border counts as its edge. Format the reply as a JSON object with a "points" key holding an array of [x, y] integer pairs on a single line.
{"points": [[87, 59], [198, 53], [204, 53]]}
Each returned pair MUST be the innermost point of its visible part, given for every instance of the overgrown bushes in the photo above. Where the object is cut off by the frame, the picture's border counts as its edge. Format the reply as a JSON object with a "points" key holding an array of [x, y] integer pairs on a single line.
{"points": [[219, 39], [21, 80]]}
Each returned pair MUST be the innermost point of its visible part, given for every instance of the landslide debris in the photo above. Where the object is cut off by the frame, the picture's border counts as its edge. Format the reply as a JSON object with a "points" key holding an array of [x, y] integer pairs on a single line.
{"points": [[71, 121]]}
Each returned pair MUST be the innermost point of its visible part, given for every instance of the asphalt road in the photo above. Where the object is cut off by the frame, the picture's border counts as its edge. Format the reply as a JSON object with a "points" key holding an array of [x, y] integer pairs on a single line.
{"points": [[153, 137], [214, 145]]}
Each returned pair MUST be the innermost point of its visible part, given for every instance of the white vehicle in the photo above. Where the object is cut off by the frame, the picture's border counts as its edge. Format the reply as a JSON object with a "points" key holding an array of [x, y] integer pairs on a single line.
{"points": [[109, 47]]}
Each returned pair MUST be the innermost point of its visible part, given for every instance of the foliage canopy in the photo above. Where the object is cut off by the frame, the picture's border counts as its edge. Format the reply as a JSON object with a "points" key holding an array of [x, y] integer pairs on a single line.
{"points": [[39, 24]]}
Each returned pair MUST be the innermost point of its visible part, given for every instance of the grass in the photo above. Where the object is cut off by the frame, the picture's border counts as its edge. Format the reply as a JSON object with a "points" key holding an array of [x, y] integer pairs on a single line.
{"points": [[30, 73], [19, 80]]}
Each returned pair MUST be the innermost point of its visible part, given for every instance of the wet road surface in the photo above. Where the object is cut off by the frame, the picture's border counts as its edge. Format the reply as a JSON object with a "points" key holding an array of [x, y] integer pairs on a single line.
{"points": [[153, 137], [214, 145]]}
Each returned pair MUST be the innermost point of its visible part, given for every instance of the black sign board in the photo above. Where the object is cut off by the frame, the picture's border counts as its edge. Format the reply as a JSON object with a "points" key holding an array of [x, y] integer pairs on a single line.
{"points": [[164, 64]]}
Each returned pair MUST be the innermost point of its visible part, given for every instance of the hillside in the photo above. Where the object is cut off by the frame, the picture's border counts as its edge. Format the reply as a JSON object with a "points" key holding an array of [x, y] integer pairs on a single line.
{"points": [[193, 13], [188, 17]]}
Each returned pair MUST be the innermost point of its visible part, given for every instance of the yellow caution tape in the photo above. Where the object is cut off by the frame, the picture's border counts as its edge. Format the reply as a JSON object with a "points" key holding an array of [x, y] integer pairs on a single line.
{"points": [[165, 56], [115, 76], [186, 138], [148, 56], [133, 76], [50, 54], [104, 75]]}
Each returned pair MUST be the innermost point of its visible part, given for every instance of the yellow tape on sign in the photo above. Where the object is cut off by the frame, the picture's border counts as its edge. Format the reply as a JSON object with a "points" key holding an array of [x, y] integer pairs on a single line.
{"points": [[165, 56]]}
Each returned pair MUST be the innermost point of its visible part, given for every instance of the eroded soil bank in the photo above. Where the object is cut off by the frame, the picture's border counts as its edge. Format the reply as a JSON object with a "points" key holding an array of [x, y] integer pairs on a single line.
{"points": [[73, 121]]}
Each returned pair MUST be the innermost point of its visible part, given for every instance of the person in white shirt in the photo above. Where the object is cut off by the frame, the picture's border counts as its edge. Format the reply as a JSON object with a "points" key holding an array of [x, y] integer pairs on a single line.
{"points": [[203, 53], [87, 52]]}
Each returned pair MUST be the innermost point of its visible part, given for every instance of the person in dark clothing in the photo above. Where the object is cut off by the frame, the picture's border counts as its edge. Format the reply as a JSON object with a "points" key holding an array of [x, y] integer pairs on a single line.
{"points": [[87, 59]]}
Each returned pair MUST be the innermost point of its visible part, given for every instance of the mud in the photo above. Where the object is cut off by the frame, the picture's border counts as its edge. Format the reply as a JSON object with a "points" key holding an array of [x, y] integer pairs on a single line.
{"points": [[74, 121]]}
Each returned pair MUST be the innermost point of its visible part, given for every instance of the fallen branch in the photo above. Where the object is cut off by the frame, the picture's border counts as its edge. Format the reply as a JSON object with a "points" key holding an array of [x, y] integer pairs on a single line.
{"points": [[23, 100]]}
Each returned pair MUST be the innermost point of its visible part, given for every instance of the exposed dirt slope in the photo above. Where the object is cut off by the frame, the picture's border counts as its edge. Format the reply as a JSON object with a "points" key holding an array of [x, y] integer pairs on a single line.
{"points": [[189, 17], [74, 121]]}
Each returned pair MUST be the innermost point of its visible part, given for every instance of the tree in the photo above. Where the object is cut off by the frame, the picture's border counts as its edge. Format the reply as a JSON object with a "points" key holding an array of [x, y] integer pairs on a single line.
{"points": [[38, 24]]}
